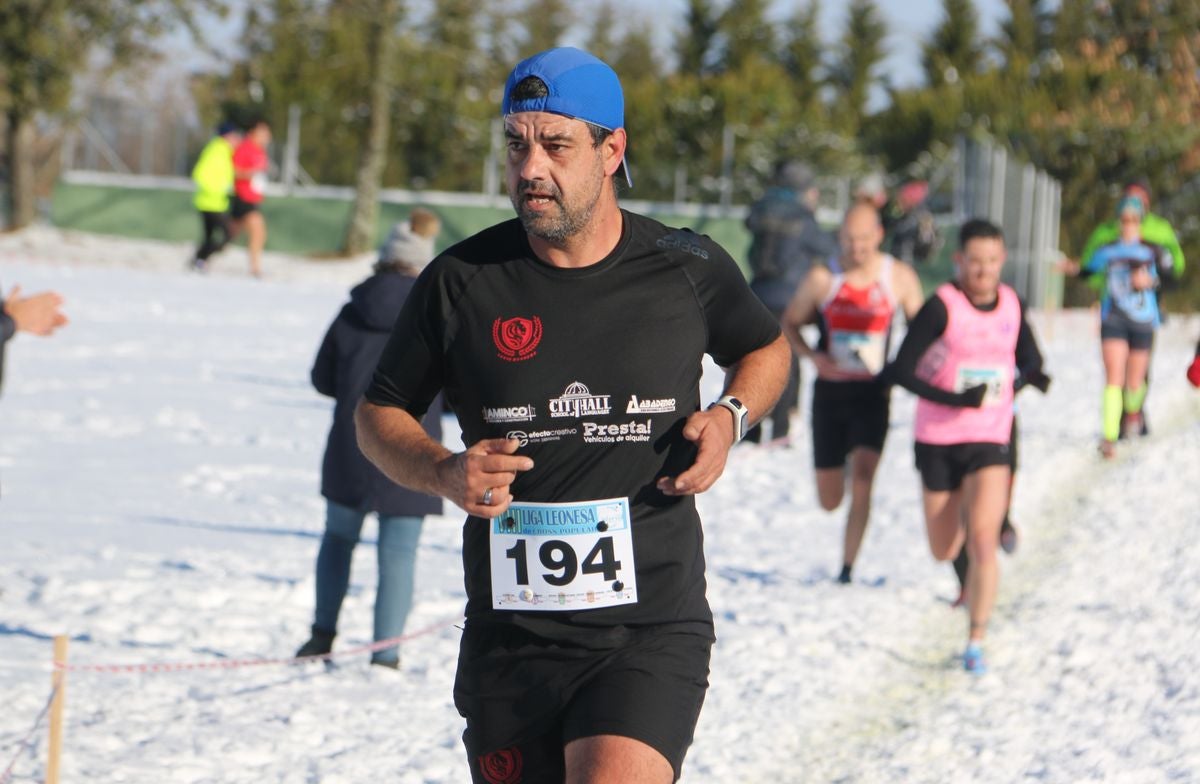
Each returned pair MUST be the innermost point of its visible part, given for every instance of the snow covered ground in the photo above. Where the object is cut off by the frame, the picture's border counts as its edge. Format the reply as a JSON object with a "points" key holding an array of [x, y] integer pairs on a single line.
{"points": [[159, 503]]}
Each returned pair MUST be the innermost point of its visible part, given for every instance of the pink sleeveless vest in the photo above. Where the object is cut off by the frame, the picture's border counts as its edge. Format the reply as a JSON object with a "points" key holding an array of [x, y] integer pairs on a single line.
{"points": [[977, 348]]}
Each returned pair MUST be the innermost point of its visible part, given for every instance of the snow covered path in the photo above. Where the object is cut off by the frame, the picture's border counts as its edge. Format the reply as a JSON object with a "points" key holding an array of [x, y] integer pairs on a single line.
{"points": [[159, 465]]}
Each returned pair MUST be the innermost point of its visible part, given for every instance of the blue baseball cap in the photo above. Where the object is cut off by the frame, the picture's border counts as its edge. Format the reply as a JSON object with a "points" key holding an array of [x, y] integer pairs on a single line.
{"points": [[579, 85]]}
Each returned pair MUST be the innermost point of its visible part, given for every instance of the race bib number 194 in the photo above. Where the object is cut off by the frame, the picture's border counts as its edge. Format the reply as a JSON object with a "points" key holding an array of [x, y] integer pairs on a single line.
{"points": [[574, 556]]}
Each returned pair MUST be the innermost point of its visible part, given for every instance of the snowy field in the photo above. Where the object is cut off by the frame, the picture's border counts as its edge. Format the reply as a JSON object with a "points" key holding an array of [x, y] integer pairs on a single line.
{"points": [[159, 503]]}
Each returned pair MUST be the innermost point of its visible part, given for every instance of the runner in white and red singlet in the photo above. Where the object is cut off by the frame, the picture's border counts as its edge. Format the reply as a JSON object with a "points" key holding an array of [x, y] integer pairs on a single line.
{"points": [[853, 310]]}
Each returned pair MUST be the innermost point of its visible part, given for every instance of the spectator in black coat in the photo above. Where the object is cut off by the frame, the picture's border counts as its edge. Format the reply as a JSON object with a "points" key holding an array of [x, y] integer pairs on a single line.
{"points": [[351, 485], [785, 242]]}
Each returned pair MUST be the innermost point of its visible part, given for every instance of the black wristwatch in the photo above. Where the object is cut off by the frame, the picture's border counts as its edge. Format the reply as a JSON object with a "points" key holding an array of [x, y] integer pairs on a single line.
{"points": [[741, 415]]}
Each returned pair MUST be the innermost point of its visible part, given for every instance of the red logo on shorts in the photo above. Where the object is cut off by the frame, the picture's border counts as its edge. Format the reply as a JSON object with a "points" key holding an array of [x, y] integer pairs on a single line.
{"points": [[517, 338], [501, 767]]}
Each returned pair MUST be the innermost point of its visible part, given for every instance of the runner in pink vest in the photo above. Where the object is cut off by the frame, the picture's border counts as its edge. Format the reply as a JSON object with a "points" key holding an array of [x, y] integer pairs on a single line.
{"points": [[853, 309], [960, 356]]}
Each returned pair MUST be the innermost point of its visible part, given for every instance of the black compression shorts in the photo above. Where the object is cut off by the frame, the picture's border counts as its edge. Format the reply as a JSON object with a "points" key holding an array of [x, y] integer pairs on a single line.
{"points": [[944, 466], [240, 208], [847, 415], [1118, 326], [525, 698]]}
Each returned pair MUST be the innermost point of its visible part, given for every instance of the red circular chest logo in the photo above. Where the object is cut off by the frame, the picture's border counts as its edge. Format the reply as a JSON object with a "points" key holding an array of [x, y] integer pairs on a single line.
{"points": [[517, 338], [501, 767]]}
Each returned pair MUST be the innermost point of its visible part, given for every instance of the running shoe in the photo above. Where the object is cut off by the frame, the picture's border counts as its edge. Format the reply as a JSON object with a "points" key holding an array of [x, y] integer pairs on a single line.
{"points": [[844, 578], [973, 661], [1008, 537], [391, 664], [1133, 425]]}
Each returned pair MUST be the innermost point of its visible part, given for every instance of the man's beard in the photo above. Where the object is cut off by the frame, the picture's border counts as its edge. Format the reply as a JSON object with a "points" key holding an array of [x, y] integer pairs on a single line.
{"points": [[554, 225]]}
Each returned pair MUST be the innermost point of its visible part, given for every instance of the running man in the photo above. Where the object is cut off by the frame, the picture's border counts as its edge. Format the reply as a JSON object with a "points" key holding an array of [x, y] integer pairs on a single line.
{"points": [[1129, 317], [250, 164], [959, 357], [853, 310], [213, 176], [569, 344]]}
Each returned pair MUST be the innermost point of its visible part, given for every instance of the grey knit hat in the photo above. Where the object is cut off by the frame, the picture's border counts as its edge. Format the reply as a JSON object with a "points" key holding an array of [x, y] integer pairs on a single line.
{"points": [[404, 247]]}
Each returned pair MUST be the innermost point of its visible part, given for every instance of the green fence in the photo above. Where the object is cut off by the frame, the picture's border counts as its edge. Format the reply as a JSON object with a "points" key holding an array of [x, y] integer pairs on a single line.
{"points": [[306, 226]]}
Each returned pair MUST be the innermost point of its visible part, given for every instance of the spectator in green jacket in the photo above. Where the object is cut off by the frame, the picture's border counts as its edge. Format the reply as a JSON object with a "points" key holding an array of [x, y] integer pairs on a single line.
{"points": [[213, 175]]}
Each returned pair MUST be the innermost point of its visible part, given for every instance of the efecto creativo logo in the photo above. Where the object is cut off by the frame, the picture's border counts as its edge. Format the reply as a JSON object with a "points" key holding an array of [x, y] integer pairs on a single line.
{"points": [[517, 338]]}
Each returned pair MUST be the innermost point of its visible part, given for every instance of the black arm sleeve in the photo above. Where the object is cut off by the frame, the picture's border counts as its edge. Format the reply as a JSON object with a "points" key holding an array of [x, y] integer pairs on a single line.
{"points": [[1029, 359], [923, 331], [8, 328]]}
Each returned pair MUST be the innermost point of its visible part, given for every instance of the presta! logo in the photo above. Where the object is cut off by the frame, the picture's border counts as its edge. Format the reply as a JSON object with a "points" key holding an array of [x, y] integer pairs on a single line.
{"points": [[596, 433], [517, 338], [578, 401]]}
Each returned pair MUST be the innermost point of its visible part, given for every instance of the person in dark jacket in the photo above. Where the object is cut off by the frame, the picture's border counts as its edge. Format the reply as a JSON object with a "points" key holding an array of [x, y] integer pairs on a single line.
{"points": [[786, 241], [351, 485]]}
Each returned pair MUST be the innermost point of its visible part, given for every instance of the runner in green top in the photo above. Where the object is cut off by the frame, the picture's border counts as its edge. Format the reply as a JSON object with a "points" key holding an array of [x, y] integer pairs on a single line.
{"points": [[1155, 229], [213, 175]]}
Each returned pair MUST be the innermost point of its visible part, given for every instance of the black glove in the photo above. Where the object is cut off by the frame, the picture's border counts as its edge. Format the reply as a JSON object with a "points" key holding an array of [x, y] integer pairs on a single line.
{"points": [[1033, 378], [972, 397]]}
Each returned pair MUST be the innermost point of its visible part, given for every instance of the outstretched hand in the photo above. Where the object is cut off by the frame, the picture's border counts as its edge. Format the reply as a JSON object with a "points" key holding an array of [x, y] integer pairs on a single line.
{"points": [[37, 314], [712, 432], [479, 479]]}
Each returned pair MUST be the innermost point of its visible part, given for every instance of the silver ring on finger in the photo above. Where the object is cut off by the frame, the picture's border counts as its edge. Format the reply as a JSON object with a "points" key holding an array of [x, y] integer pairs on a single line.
{"points": [[487, 497]]}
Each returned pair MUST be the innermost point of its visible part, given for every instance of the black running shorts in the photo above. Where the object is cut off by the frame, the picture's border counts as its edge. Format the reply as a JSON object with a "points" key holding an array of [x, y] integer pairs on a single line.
{"points": [[944, 466], [1118, 326], [525, 698], [240, 208], [847, 415]]}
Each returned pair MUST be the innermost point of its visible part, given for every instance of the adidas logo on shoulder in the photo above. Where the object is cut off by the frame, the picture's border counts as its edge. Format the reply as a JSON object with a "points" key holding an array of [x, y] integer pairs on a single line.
{"points": [[684, 241]]}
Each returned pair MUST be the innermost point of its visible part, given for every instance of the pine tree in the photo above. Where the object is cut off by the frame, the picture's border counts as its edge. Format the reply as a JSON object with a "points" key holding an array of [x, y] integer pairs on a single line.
{"points": [[954, 51], [694, 45], [545, 22], [745, 35], [802, 53], [45, 44], [853, 72], [602, 40]]}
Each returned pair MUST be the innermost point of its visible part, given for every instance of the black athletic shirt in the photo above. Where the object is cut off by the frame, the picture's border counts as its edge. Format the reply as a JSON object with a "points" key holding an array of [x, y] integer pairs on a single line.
{"points": [[924, 330], [509, 337]]}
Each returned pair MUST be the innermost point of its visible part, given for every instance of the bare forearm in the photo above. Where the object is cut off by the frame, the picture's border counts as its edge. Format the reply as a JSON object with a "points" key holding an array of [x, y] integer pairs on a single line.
{"points": [[791, 331], [759, 378], [395, 442]]}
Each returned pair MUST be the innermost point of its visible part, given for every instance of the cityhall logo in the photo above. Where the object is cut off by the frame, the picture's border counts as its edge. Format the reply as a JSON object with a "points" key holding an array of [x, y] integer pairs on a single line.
{"points": [[578, 401], [517, 338]]}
